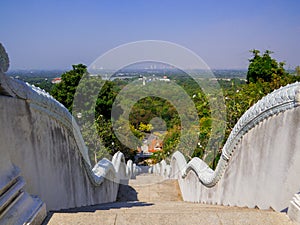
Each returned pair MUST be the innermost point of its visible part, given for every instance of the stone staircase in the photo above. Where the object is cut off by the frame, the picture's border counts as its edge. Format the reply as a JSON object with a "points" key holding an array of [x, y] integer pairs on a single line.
{"points": [[150, 199], [17, 207]]}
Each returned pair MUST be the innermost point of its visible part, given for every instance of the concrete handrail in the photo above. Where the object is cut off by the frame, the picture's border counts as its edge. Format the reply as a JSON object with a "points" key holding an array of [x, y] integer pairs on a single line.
{"points": [[285, 98], [44, 102], [260, 161], [123, 171], [64, 146]]}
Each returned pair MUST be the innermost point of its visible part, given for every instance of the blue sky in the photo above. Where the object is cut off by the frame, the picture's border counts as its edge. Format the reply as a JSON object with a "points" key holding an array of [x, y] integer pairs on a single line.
{"points": [[53, 34]]}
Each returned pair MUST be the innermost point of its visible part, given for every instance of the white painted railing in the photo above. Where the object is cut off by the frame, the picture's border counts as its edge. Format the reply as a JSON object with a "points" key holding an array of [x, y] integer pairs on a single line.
{"points": [[279, 112], [98, 184]]}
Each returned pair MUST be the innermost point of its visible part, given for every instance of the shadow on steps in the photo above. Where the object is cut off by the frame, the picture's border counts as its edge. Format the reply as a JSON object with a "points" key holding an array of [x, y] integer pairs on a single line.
{"points": [[94, 208], [126, 193]]}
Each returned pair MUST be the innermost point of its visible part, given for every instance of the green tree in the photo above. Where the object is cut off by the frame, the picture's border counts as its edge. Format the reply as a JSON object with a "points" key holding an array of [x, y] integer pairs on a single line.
{"points": [[94, 99], [110, 141], [106, 99], [263, 67], [65, 90]]}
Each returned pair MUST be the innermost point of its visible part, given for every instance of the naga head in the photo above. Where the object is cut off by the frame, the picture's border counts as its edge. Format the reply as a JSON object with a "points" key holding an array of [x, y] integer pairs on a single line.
{"points": [[4, 60]]}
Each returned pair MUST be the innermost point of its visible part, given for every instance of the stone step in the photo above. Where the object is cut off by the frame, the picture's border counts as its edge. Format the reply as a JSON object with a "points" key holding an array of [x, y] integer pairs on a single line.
{"points": [[25, 209], [167, 190], [152, 200], [167, 213], [8, 197], [17, 206]]}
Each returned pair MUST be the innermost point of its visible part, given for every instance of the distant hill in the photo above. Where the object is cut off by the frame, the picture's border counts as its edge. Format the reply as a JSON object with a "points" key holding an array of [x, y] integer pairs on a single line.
{"points": [[35, 73]]}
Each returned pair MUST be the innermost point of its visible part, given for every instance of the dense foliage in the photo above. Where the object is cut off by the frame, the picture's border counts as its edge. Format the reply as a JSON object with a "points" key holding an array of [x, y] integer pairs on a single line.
{"points": [[264, 75], [264, 68], [64, 91], [90, 100]]}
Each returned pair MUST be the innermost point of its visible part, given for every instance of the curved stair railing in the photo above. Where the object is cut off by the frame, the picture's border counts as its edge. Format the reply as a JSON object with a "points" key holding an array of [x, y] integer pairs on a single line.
{"points": [[43, 101], [116, 170], [280, 100]]}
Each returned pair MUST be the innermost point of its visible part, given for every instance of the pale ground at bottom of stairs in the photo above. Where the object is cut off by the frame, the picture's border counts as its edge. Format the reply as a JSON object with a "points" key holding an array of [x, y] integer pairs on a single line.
{"points": [[151, 200]]}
